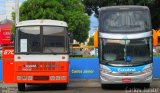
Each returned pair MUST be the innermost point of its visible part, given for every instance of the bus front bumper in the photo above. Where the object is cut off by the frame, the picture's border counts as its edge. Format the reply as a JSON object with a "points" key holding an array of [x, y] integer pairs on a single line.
{"points": [[112, 79], [41, 77]]}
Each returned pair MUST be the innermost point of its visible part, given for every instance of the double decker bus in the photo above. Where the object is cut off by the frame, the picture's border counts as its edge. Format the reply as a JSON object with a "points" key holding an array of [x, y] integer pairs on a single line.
{"points": [[41, 53], [125, 45]]}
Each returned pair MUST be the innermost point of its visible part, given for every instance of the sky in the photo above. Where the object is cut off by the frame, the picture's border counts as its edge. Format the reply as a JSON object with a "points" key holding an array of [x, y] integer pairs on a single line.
{"points": [[93, 24], [93, 20], [3, 6]]}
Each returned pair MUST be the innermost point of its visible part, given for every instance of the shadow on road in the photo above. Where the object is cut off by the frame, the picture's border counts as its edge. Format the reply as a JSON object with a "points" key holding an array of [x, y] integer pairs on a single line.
{"points": [[43, 87]]}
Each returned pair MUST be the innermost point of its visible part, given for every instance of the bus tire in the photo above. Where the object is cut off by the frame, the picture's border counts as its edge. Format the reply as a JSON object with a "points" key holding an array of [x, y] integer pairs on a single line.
{"points": [[21, 86], [64, 86], [147, 85], [106, 86], [103, 86]]}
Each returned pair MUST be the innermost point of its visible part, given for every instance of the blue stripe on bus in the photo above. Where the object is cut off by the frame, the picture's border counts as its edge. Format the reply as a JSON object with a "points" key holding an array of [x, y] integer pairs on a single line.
{"points": [[126, 69]]}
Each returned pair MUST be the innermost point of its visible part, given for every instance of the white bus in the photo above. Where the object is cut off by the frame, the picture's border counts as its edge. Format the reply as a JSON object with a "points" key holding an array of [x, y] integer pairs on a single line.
{"points": [[125, 45], [41, 53]]}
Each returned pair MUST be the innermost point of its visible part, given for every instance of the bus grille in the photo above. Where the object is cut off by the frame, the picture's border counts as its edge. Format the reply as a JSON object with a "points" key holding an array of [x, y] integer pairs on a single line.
{"points": [[41, 78]]}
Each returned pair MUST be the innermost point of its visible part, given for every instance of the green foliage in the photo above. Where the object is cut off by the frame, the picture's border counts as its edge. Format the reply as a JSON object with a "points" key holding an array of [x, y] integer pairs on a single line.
{"points": [[91, 41], [13, 15], [94, 5], [156, 54], [13, 28], [13, 25], [13, 31], [71, 11]]}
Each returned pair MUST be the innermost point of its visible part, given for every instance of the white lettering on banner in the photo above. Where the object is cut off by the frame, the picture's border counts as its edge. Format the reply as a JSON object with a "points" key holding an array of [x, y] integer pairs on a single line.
{"points": [[88, 71], [82, 71], [126, 70], [30, 66], [6, 33], [8, 52], [6, 37]]}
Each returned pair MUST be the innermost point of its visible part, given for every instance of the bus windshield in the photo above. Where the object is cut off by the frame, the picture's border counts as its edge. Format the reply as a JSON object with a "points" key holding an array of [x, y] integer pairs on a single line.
{"points": [[125, 21], [126, 52], [41, 39]]}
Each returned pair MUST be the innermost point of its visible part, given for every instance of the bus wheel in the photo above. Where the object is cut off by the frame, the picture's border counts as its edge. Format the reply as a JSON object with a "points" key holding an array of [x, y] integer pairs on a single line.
{"points": [[21, 86], [60, 86], [64, 86], [103, 86], [106, 86], [147, 85]]}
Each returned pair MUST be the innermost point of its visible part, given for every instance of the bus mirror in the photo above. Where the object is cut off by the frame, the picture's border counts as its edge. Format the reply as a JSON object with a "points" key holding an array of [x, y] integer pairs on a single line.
{"points": [[69, 34], [155, 38], [96, 39], [70, 37]]}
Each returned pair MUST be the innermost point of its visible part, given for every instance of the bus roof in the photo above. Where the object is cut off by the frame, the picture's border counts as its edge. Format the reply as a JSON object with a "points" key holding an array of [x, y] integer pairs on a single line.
{"points": [[42, 22], [126, 7]]}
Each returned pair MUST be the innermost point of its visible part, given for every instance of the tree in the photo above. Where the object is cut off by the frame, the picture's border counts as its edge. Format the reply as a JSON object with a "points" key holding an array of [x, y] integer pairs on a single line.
{"points": [[91, 41], [71, 11], [93, 6]]}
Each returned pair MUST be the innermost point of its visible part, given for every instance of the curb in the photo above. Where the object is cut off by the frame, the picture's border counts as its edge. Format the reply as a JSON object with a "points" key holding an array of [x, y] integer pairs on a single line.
{"points": [[84, 83]]}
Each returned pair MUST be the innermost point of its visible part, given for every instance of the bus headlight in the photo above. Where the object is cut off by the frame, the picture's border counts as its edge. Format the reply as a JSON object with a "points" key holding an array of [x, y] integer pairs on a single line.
{"points": [[18, 77], [52, 77], [147, 69], [63, 77], [30, 78], [105, 70], [58, 77], [24, 78]]}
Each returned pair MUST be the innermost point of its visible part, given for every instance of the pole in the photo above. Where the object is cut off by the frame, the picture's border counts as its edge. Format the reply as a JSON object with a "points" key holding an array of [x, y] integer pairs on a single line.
{"points": [[17, 11]]}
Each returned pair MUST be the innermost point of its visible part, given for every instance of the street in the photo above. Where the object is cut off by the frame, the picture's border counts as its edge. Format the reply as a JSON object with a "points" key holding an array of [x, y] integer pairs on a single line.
{"points": [[90, 86]]}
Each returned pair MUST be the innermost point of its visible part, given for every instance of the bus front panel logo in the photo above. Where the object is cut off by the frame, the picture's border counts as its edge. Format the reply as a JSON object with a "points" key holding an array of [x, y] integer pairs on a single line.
{"points": [[126, 69]]}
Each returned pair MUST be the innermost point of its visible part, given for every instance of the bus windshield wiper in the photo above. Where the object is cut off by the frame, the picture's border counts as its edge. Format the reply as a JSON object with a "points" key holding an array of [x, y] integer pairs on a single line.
{"points": [[51, 51]]}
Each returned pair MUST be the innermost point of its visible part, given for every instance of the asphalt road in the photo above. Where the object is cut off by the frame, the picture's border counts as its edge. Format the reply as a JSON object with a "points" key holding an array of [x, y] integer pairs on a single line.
{"points": [[83, 87]]}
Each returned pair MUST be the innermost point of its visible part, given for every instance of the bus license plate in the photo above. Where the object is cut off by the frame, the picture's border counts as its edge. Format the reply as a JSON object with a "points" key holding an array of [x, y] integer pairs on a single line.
{"points": [[126, 80]]}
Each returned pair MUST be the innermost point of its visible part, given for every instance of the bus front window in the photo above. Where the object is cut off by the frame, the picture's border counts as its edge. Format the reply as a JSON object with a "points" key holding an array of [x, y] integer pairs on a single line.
{"points": [[28, 40], [125, 21], [54, 39], [48, 39], [116, 51]]}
